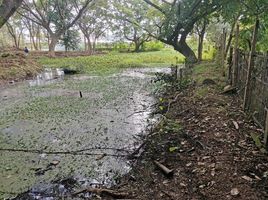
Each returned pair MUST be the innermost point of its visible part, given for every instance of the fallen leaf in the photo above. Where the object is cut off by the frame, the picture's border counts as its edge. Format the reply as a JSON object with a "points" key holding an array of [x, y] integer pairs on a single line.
{"points": [[247, 178], [172, 149], [202, 186], [101, 156], [183, 184], [55, 162], [213, 172], [201, 163], [234, 192], [188, 164], [236, 125]]}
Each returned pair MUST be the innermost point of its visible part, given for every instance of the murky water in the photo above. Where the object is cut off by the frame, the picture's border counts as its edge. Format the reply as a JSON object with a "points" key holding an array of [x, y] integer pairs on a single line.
{"points": [[48, 132]]}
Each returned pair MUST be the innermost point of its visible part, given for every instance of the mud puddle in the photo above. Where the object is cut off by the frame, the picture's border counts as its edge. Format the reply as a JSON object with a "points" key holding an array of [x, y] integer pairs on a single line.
{"points": [[49, 133]]}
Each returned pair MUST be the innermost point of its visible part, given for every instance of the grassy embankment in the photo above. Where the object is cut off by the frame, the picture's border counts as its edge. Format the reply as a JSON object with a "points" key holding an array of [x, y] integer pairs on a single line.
{"points": [[15, 66], [114, 62]]}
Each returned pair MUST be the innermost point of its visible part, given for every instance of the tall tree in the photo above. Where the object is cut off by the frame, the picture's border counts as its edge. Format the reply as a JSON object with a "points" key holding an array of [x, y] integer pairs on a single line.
{"points": [[94, 23], [70, 39], [200, 28], [34, 31], [56, 16], [129, 16], [15, 28], [7, 9], [177, 19]]}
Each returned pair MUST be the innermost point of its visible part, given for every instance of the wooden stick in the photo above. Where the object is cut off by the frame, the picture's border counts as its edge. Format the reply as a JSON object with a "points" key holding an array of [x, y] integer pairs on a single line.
{"points": [[266, 129], [235, 63], [172, 101], [163, 168], [78, 152], [250, 67], [100, 191]]}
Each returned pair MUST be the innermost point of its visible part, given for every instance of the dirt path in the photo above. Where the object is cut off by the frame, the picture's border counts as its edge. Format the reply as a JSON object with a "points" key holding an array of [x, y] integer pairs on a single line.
{"points": [[207, 140]]}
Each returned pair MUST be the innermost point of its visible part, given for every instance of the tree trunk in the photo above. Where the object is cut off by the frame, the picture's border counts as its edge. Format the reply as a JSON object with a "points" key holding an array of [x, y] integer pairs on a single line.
{"points": [[7, 9], [201, 35], [185, 50], [223, 47], [229, 40], [89, 45], [52, 45], [235, 63], [94, 46], [200, 46], [35, 47], [250, 67], [85, 44], [137, 46]]}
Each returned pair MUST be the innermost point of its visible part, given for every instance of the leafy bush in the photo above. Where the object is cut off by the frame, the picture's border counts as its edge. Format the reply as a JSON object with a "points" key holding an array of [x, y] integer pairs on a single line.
{"points": [[152, 46], [121, 47]]}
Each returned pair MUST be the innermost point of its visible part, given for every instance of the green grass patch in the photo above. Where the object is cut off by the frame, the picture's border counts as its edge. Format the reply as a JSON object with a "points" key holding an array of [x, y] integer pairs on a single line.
{"points": [[114, 62], [209, 70], [202, 91]]}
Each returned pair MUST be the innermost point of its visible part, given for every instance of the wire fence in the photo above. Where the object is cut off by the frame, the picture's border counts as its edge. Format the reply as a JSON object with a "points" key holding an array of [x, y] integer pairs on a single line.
{"points": [[258, 98]]}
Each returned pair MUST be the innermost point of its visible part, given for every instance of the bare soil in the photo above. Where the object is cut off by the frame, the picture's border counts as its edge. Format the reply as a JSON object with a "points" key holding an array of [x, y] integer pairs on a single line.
{"points": [[15, 66], [213, 154]]}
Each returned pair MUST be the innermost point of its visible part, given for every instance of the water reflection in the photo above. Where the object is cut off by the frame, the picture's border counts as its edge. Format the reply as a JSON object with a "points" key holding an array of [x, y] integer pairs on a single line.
{"points": [[47, 77]]}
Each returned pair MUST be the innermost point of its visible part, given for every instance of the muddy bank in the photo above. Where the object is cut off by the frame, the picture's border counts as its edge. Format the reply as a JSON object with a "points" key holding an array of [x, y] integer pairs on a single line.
{"points": [[48, 132], [207, 141], [15, 66]]}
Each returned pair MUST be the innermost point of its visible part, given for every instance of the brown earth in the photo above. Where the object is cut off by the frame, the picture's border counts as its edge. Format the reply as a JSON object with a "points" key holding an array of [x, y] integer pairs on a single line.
{"points": [[207, 140], [15, 66]]}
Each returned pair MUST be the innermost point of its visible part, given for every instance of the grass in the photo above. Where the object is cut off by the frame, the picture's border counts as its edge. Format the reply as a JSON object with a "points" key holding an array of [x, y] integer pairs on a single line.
{"points": [[114, 61], [209, 70]]}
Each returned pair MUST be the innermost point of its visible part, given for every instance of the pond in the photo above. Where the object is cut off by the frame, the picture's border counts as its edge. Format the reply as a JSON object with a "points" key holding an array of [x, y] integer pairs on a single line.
{"points": [[56, 126]]}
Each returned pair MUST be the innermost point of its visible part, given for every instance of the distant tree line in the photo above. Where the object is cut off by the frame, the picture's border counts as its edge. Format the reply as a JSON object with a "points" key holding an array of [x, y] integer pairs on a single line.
{"points": [[137, 21]]}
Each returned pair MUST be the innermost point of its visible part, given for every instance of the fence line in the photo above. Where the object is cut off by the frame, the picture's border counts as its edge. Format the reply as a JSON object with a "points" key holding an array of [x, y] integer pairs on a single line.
{"points": [[258, 98]]}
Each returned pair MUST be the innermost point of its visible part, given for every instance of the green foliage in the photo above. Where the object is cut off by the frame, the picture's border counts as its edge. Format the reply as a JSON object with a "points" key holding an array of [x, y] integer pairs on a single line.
{"points": [[113, 62], [152, 46], [70, 39], [171, 126], [121, 46], [172, 149], [164, 82], [129, 16]]}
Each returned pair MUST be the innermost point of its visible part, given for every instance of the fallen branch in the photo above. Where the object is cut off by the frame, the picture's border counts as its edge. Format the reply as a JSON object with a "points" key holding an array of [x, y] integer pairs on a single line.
{"points": [[172, 101], [141, 111], [108, 192], [78, 152], [169, 195], [164, 169], [134, 153]]}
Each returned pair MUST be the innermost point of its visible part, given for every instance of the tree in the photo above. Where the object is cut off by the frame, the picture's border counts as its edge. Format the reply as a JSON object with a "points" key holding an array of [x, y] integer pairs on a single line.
{"points": [[34, 31], [7, 9], [70, 40], [94, 23], [200, 28], [176, 19], [56, 16], [15, 29], [129, 17]]}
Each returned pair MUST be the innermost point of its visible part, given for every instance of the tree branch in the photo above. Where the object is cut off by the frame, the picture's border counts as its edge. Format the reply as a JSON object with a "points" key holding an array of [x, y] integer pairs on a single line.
{"points": [[155, 6]]}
